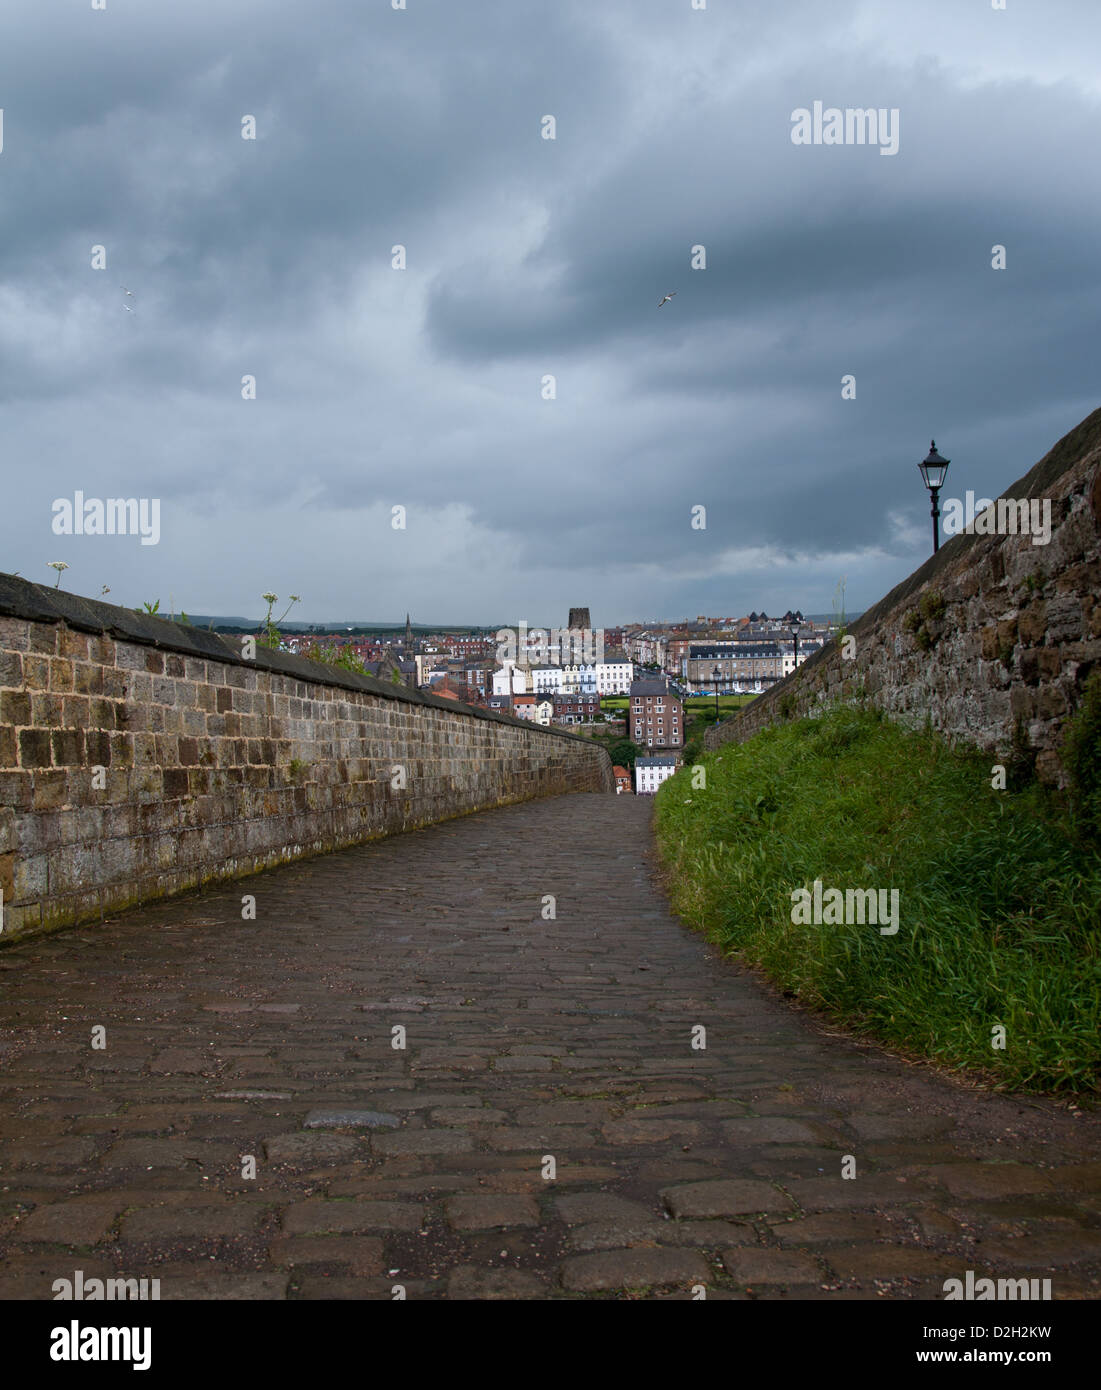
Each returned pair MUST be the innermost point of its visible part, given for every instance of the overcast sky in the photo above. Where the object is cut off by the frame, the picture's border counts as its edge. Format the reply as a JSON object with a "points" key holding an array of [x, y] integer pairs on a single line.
{"points": [[527, 257]]}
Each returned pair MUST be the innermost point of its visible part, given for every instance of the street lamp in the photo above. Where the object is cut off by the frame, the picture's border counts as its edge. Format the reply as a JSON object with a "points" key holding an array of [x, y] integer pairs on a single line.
{"points": [[795, 646], [933, 470], [716, 674]]}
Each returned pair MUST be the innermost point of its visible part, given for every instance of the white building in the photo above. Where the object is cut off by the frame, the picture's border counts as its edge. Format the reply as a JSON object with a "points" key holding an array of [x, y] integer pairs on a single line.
{"points": [[578, 678], [651, 772], [548, 680], [512, 680], [544, 711], [614, 677], [581, 677]]}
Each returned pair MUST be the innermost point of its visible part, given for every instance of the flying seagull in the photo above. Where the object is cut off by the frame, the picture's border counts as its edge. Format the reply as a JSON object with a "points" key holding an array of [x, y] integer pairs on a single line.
{"points": [[130, 295], [667, 298]]}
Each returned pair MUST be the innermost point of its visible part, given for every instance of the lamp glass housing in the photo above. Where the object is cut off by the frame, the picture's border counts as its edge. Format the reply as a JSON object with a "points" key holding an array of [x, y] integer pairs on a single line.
{"points": [[933, 469]]}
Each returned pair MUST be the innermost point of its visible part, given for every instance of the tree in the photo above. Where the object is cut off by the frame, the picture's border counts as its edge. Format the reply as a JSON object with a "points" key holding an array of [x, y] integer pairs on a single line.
{"points": [[623, 753]]}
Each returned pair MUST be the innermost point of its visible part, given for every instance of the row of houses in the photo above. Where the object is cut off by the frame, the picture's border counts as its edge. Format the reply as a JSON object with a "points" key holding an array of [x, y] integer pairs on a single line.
{"points": [[750, 653], [746, 654], [612, 676], [539, 708], [739, 665], [654, 717]]}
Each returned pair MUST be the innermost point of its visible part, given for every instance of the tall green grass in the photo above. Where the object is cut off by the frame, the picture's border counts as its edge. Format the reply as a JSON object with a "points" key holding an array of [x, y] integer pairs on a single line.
{"points": [[1000, 896]]}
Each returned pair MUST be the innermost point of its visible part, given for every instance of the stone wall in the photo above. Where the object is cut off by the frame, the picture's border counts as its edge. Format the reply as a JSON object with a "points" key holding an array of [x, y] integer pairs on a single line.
{"points": [[611, 728], [991, 639], [140, 758]]}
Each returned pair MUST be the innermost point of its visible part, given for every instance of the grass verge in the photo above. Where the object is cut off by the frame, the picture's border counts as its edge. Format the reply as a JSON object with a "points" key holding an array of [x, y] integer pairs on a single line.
{"points": [[999, 906]]}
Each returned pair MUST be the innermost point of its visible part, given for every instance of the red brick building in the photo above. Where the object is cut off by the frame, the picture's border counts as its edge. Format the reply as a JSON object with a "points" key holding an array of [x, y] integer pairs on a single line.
{"points": [[655, 718], [575, 709]]}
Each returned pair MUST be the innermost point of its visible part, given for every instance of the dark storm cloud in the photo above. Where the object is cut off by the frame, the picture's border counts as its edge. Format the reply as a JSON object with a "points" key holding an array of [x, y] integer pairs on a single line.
{"points": [[529, 257], [840, 265]]}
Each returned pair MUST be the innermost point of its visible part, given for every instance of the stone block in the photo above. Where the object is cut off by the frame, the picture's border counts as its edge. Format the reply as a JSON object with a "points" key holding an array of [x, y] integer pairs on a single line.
{"points": [[1064, 618], [67, 746], [1032, 623], [423, 1141], [484, 1213], [61, 674], [316, 1217], [582, 1208], [770, 1130], [42, 637], [165, 1225], [724, 1197], [15, 708], [835, 1227], [981, 1180], [362, 1119], [305, 1150], [36, 673], [72, 644], [11, 669], [68, 1223], [634, 1269], [755, 1267]]}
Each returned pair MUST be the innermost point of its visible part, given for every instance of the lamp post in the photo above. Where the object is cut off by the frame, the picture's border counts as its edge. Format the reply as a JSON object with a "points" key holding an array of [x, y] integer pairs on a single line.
{"points": [[716, 674], [933, 470], [794, 646]]}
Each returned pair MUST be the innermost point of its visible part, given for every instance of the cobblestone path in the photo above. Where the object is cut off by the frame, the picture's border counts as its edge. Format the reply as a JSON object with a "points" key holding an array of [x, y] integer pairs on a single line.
{"points": [[423, 1167]]}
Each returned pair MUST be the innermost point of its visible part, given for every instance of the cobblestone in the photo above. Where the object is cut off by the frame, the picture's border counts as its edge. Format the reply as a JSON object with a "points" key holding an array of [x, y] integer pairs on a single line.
{"points": [[771, 1267], [485, 1213], [546, 1103], [725, 1197], [634, 1269]]}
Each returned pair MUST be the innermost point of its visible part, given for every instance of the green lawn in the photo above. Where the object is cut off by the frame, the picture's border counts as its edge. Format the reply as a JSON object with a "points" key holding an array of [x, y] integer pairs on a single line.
{"points": [[693, 702], [999, 895], [726, 702]]}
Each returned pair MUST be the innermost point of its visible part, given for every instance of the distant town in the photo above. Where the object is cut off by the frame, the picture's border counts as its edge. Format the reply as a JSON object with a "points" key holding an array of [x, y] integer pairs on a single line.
{"points": [[647, 691]]}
